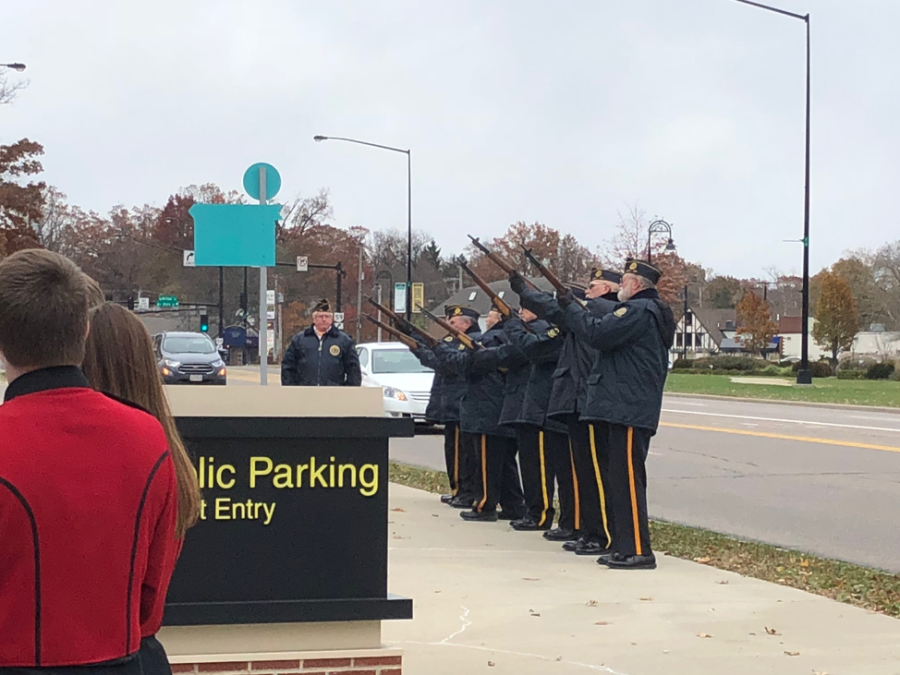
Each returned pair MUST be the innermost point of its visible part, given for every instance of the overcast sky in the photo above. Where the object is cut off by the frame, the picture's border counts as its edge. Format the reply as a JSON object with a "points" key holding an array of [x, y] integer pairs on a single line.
{"points": [[516, 110]]}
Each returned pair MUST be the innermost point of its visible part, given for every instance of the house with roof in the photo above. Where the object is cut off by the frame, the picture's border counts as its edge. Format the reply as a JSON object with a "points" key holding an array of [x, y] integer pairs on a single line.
{"points": [[703, 330]]}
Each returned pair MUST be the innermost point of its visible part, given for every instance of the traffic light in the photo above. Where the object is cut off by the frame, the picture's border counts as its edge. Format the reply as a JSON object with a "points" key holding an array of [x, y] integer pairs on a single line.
{"points": [[204, 323], [131, 303]]}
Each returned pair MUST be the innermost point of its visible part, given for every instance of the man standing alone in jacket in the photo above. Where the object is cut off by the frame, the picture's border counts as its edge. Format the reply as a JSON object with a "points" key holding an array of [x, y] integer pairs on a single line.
{"points": [[322, 355]]}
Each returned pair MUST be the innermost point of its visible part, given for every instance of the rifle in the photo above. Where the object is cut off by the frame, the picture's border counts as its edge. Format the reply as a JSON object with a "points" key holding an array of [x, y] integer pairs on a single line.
{"points": [[405, 339], [455, 332], [560, 287], [504, 309], [401, 321], [497, 260]]}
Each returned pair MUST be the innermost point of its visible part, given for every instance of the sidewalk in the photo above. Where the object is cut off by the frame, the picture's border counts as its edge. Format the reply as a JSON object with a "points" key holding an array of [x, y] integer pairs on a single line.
{"points": [[491, 600]]}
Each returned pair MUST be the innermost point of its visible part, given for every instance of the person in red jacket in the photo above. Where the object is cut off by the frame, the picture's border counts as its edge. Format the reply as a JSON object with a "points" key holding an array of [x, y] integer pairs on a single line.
{"points": [[88, 497]]}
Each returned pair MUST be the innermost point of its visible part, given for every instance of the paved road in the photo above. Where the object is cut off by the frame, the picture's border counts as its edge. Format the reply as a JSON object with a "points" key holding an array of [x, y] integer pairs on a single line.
{"points": [[821, 480]]}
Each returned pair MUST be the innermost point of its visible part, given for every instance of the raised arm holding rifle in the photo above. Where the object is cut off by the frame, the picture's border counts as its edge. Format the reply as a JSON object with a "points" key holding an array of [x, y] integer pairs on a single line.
{"points": [[406, 327]]}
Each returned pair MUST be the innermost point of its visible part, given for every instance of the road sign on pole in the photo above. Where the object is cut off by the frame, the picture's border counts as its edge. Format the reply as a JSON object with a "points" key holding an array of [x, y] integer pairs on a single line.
{"points": [[302, 263], [167, 301], [400, 297], [143, 304], [271, 183], [418, 296], [189, 260]]}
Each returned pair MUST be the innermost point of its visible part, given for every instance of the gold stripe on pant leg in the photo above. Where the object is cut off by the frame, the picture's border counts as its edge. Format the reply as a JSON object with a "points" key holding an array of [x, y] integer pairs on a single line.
{"points": [[543, 479], [600, 490]]}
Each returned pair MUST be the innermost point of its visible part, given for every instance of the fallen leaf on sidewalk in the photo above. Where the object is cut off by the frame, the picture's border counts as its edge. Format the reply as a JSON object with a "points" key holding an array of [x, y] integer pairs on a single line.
{"points": [[535, 614], [592, 603], [722, 583], [704, 635], [491, 664], [559, 658], [646, 599], [529, 579], [804, 563], [705, 559], [771, 631], [399, 510], [792, 653], [437, 591], [397, 536], [434, 515], [601, 623]]}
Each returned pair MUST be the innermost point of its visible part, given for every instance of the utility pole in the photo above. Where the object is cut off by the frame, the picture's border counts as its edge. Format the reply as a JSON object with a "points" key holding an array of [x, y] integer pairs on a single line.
{"points": [[378, 293], [359, 280]]}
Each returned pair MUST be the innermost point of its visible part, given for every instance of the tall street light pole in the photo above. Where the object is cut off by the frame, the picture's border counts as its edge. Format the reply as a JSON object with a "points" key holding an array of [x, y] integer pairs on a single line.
{"points": [[803, 375], [408, 153], [13, 66]]}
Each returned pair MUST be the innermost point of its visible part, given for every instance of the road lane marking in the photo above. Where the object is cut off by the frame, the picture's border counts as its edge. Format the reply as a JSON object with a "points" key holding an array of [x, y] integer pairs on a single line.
{"points": [[784, 437], [777, 419]]}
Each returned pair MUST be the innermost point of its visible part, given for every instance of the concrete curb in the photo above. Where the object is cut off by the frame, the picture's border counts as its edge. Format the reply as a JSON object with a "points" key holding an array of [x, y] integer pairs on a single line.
{"points": [[810, 404]]}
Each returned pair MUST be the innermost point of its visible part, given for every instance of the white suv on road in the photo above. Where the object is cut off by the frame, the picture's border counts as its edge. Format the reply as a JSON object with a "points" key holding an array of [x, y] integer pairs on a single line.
{"points": [[406, 383]]}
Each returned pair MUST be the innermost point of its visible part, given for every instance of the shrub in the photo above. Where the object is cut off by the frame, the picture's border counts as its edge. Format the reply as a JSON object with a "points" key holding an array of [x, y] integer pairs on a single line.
{"points": [[774, 371], [860, 363], [895, 376], [880, 371], [727, 362], [849, 374], [682, 364], [817, 368]]}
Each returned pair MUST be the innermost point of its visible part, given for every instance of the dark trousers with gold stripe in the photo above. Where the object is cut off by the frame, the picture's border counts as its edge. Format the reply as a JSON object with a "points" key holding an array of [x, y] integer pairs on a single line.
{"points": [[497, 475], [628, 449], [563, 462], [537, 474], [459, 453], [591, 454]]}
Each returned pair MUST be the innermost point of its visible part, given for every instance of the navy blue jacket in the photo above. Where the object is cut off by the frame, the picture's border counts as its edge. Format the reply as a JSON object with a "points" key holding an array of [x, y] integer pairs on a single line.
{"points": [[482, 401], [568, 391], [542, 347], [509, 358], [449, 386], [330, 362], [626, 382]]}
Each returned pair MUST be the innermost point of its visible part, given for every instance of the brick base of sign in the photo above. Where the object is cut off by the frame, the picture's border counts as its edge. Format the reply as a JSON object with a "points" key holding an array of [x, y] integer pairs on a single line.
{"points": [[337, 662]]}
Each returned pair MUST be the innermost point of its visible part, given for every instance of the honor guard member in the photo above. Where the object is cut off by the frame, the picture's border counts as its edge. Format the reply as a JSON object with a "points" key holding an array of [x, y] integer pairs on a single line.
{"points": [[624, 400], [322, 355], [567, 402], [543, 443], [497, 479], [443, 408]]}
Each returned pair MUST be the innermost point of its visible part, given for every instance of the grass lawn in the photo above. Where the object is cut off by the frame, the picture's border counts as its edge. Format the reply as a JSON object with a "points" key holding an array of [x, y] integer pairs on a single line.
{"points": [[871, 589], [830, 390]]}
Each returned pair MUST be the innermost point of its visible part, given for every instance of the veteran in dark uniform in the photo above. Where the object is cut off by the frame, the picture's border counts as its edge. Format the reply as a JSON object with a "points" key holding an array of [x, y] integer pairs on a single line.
{"points": [[480, 409], [321, 355], [443, 408], [568, 396], [624, 399]]}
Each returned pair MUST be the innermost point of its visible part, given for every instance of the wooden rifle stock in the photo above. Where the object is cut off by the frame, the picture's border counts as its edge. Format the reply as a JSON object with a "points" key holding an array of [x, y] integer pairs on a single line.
{"points": [[401, 321], [504, 309], [497, 260], [405, 339], [560, 287]]}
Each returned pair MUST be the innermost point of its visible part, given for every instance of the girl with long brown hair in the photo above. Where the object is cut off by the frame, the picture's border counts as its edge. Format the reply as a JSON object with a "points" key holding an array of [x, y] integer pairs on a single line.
{"points": [[119, 360]]}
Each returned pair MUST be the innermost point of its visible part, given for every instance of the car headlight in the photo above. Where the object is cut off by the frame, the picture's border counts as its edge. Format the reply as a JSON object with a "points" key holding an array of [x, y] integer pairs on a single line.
{"points": [[390, 392], [218, 364], [172, 364]]}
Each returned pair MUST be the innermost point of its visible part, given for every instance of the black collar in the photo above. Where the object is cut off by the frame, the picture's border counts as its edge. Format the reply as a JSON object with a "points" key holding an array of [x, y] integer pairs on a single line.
{"points": [[56, 377], [612, 296], [646, 294]]}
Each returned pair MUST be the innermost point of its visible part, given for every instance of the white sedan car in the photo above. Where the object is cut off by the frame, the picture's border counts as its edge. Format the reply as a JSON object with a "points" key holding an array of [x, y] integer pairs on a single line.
{"points": [[406, 382]]}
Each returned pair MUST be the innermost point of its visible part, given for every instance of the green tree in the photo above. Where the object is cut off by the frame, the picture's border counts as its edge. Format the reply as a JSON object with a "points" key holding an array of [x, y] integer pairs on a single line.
{"points": [[756, 326], [837, 322]]}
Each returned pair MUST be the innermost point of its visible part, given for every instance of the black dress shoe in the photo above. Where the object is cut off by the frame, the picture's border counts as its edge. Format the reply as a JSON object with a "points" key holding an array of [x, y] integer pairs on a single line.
{"points": [[526, 524], [510, 515], [462, 502], [603, 559], [572, 545], [560, 534], [590, 548], [479, 516], [617, 561], [446, 499]]}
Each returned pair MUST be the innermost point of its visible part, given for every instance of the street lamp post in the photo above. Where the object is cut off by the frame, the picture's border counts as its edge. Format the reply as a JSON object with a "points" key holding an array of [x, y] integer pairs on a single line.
{"points": [[659, 226], [13, 66], [803, 375], [408, 153]]}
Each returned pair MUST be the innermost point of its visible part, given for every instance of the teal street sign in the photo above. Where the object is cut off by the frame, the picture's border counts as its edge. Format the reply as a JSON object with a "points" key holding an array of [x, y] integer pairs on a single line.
{"points": [[167, 301], [251, 180], [235, 235]]}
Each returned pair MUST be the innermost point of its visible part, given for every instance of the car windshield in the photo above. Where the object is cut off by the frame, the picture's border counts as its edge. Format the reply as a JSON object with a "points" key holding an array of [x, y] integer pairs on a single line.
{"points": [[189, 344], [396, 361]]}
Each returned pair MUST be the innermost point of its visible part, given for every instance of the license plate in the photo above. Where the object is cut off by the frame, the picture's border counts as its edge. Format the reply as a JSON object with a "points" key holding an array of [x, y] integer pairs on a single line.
{"points": [[196, 378]]}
